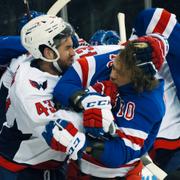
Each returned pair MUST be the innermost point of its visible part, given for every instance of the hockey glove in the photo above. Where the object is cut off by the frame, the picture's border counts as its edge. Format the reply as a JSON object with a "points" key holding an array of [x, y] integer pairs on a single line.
{"points": [[159, 46], [97, 116], [107, 88], [63, 136]]}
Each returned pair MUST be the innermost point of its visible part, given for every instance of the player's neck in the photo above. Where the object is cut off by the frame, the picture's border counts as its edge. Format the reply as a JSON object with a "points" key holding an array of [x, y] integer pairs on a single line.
{"points": [[47, 67]]}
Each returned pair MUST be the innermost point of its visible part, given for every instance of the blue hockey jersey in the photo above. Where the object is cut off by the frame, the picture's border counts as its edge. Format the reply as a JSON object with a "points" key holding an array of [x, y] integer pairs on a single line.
{"points": [[86, 71], [138, 116], [10, 47]]}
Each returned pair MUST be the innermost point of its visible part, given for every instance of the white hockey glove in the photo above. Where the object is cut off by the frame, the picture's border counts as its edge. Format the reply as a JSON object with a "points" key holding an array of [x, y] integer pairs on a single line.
{"points": [[63, 136]]}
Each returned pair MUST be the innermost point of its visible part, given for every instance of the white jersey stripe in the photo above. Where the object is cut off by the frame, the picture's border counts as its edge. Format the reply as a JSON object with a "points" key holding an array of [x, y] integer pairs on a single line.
{"points": [[155, 19], [135, 132], [129, 143], [77, 68], [103, 172], [133, 161], [170, 26]]}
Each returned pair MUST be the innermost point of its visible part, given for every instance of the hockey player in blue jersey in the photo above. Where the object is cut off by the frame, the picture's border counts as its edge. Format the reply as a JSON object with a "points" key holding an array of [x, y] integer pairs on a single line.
{"points": [[165, 151], [138, 112]]}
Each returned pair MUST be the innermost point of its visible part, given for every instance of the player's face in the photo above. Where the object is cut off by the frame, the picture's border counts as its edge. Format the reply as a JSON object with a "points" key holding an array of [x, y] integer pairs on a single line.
{"points": [[67, 53], [119, 74]]}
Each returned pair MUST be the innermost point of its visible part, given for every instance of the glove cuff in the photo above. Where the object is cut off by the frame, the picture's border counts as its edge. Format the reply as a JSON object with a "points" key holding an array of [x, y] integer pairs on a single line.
{"points": [[75, 101], [163, 40], [76, 146], [95, 100]]}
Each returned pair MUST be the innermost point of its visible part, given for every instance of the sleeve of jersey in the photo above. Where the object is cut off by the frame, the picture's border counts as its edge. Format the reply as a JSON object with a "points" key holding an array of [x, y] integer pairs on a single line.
{"points": [[10, 47], [84, 72], [158, 20], [131, 143], [7, 77]]}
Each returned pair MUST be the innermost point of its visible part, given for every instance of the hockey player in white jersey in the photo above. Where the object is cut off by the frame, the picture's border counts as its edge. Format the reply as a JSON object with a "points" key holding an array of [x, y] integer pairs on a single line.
{"points": [[36, 139], [82, 50]]}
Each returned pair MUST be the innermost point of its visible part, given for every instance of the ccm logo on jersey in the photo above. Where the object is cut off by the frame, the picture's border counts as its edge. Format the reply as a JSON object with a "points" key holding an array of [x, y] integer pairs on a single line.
{"points": [[38, 85], [98, 103]]}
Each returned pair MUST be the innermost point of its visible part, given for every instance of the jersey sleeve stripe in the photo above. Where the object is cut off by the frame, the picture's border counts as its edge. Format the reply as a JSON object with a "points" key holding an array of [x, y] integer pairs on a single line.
{"points": [[154, 20], [170, 26], [133, 146], [92, 65], [85, 70], [137, 133], [12, 166], [78, 69], [132, 139], [162, 22]]}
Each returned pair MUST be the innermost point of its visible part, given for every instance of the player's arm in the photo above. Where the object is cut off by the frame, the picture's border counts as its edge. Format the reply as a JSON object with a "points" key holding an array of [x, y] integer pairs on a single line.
{"points": [[71, 89], [127, 145], [58, 132], [5, 84], [147, 22], [84, 72]]}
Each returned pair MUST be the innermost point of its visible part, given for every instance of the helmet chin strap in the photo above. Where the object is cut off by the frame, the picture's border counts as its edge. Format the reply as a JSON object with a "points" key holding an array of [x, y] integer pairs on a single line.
{"points": [[56, 65]]}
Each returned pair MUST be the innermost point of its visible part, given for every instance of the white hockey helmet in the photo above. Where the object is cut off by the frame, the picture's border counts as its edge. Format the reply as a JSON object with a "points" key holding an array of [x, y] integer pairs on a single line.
{"points": [[44, 30]]}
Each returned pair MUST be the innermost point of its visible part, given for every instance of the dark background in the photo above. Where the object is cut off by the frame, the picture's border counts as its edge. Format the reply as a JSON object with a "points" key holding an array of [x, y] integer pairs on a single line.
{"points": [[87, 16]]}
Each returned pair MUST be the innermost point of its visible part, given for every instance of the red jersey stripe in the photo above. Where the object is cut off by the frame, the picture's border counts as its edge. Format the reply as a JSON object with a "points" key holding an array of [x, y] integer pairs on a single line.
{"points": [[133, 139], [162, 23], [85, 69]]}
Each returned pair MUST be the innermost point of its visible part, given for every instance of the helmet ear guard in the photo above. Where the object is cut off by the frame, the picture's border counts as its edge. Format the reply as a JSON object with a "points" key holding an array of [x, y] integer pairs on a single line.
{"points": [[45, 30]]}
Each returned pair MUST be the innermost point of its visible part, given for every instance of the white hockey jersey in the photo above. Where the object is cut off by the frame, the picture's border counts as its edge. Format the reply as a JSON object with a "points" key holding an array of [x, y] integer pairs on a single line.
{"points": [[31, 108], [170, 126]]}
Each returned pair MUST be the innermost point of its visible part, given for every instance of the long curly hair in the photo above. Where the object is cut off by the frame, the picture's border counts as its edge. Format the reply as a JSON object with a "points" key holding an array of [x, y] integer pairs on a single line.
{"points": [[141, 78]]}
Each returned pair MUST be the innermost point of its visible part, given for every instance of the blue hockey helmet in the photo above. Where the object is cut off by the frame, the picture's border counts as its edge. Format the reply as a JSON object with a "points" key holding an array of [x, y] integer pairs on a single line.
{"points": [[27, 17], [97, 37], [102, 37], [111, 37]]}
